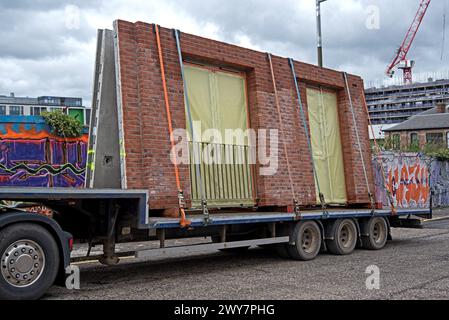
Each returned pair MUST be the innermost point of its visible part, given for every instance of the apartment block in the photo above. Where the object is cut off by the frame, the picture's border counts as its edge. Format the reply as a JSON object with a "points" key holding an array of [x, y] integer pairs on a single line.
{"points": [[25, 106], [396, 104]]}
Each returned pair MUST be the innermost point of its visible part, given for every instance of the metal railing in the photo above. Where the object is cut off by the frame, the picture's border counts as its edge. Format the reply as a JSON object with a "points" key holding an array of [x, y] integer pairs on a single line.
{"points": [[227, 174]]}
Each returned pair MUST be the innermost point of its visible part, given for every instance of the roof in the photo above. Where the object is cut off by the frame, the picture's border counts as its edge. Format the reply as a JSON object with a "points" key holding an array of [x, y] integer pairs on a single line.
{"points": [[427, 120], [18, 100], [37, 101]]}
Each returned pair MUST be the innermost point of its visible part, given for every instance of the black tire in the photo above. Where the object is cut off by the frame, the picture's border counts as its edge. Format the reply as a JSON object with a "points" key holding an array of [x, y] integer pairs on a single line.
{"points": [[27, 235], [308, 239], [374, 233], [345, 236]]}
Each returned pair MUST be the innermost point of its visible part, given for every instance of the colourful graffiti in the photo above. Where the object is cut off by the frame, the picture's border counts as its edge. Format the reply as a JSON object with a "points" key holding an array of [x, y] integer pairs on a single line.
{"points": [[409, 184], [408, 180], [30, 156], [439, 180]]}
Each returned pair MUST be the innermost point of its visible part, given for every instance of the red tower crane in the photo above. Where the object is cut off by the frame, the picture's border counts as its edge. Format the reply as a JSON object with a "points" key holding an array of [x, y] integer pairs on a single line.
{"points": [[400, 58]]}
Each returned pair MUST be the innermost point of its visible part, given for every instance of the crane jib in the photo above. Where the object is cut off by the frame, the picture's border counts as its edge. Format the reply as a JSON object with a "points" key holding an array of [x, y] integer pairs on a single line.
{"points": [[401, 54]]}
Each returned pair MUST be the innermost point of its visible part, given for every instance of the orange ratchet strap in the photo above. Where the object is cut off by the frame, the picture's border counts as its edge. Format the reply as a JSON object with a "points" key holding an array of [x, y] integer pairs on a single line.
{"points": [[183, 221]]}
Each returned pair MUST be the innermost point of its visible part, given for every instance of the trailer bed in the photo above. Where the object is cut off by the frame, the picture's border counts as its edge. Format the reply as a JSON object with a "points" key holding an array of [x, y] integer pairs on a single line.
{"points": [[197, 220], [47, 195], [267, 217], [21, 193]]}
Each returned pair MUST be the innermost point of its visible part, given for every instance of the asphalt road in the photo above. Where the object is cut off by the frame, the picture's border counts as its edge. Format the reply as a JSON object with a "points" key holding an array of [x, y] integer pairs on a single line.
{"points": [[415, 265]]}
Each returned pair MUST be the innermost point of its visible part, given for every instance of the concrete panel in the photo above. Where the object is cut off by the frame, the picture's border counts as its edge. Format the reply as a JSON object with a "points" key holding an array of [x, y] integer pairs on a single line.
{"points": [[104, 148]]}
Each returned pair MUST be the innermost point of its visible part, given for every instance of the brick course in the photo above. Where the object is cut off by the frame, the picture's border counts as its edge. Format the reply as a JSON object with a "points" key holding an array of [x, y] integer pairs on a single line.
{"points": [[145, 125]]}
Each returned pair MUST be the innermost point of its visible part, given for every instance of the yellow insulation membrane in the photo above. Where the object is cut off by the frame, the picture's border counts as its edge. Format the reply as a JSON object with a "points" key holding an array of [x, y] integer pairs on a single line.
{"points": [[218, 100], [326, 145]]}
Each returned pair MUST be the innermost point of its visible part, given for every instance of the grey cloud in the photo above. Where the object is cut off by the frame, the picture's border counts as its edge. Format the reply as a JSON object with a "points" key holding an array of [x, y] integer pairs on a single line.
{"points": [[38, 34], [40, 55], [346, 39], [42, 5]]}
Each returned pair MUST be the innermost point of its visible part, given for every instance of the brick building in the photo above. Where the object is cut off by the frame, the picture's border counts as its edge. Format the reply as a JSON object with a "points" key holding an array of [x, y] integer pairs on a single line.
{"points": [[428, 128], [146, 158]]}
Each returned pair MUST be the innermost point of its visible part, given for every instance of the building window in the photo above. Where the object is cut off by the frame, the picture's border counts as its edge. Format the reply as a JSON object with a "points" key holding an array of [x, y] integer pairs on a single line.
{"points": [[396, 142], [414, 140], [2, 110], [63, 110], [37, 111], [16, 111], [435, 139]]}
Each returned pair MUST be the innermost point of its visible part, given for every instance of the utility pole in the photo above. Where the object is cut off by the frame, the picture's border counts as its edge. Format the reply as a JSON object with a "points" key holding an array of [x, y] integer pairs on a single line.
{"points": [[318, 29]]}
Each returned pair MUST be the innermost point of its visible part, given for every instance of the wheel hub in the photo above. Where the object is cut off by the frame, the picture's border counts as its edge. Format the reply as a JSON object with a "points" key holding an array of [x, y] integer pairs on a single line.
{"points": [[22, 263], [309, 240], [378, 233], [345, 236]]}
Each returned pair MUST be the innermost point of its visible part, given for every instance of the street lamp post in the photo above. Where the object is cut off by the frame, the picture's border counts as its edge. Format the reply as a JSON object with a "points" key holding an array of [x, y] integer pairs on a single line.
{"points": [[318, 29]]}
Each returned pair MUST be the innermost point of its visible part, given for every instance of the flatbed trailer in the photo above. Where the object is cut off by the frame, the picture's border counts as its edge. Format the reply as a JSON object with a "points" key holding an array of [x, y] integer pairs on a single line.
{"points": [[38, 232], [35, 247]]}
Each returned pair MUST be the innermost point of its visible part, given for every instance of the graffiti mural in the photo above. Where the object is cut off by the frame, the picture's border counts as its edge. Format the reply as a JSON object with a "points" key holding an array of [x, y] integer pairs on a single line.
{"points": [[32, 157], [407, 177], [439, 181]]}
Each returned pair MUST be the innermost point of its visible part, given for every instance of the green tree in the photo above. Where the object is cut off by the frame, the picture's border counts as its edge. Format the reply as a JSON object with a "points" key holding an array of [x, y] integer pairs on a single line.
{"points": [[63, 125]]}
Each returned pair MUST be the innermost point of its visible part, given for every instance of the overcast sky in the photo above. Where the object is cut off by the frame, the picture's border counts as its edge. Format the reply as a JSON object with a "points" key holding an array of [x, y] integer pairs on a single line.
{"points": [[48, 46]]}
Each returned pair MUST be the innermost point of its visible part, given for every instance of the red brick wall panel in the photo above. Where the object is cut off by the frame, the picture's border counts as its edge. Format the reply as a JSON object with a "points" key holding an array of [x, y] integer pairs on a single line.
{"points": [[146, 133]]}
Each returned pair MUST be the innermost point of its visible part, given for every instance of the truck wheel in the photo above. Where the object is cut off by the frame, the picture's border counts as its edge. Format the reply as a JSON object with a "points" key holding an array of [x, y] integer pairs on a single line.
{"points": [[307, 236], [344, 237], [29, 262], [377, 230]]}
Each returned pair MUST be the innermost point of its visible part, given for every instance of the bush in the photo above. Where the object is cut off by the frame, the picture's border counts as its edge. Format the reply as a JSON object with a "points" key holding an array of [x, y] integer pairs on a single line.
{"points": [[433, 150], [414, 147], [390, 144], [438, 151], [63, 125]]}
